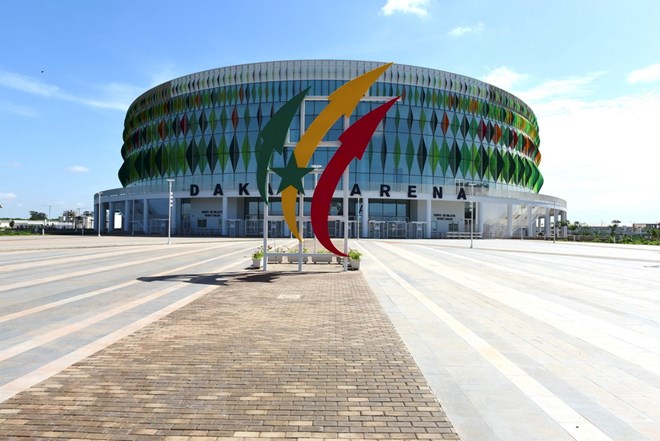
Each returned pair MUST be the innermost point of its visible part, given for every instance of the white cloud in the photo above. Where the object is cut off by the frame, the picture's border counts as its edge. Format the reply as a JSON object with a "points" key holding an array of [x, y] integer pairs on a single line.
{"points": [[553, 93], [462, 30], [417, 7], [13, 164], [27, 84], [504, 78], [564, 88], [78, 169], [648, 74], [597, 155], [165, 74], [7, 196], [15, 109], [115, 96]]}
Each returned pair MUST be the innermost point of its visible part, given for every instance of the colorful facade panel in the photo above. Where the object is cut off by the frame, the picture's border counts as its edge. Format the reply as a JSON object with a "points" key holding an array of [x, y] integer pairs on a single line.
{"points": [[445, 127]]}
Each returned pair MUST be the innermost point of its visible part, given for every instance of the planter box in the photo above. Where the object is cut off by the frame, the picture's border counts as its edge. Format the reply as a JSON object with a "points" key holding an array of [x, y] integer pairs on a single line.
{"points": [[294, 258], [256, 263], [354, 263], [274, 259], [322, 258]]}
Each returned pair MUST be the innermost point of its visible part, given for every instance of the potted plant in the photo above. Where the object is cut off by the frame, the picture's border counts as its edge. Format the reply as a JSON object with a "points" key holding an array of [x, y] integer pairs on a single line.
{"points": [[257, 257], [354, 258], [275, 259], [294, 257]]}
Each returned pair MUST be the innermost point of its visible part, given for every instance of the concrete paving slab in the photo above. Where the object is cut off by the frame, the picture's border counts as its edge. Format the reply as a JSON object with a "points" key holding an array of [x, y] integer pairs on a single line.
{"points": [[518, 340], [267, 355], [570, 329]]}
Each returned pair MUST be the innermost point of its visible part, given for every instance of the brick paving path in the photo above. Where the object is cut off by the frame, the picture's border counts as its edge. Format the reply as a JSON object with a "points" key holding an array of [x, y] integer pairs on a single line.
{"points": [[267, 355]]}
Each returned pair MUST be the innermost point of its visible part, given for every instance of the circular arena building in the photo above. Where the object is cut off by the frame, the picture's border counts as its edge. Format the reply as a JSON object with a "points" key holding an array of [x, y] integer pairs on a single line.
{"points": [[453, 155]]}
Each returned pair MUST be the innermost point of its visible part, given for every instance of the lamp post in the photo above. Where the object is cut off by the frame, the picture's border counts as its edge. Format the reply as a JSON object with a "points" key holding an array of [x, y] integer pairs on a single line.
{"points": [[43, 229], [99, 221], [169, 210], [357, 216], [264, 245], [554, 229], [82, 216], [317, 169], [471, 215]]}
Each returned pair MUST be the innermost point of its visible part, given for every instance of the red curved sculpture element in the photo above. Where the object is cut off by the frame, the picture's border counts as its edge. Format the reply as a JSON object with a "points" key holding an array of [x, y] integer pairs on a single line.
{"points": [[354, 142]]}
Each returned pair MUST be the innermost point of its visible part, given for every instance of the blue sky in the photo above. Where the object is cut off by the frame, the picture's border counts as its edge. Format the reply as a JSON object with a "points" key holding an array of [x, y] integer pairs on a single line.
{"points": [[589, 69]]}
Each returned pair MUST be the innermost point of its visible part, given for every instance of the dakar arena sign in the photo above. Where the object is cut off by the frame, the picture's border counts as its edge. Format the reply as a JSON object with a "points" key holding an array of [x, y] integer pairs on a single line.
{"points": [[354, 141]]}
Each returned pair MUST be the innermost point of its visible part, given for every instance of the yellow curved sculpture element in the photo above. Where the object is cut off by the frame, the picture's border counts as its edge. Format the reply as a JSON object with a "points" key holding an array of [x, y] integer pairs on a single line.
{"points": [[341, 103]]}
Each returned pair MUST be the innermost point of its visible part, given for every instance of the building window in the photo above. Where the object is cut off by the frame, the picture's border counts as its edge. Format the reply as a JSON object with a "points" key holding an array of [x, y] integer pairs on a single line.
{"points": [[396, 210], [201, 223]]}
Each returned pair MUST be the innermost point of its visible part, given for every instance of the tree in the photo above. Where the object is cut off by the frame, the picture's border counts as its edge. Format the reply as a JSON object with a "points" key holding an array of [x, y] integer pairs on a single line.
{"points": [[574, 226], [653, 233], [37, 215], [69, 216], [613, 227]]}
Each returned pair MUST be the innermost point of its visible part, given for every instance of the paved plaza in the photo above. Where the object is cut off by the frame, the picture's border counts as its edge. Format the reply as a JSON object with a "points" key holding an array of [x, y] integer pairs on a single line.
{"points": [[129, 338], [530, 340]]}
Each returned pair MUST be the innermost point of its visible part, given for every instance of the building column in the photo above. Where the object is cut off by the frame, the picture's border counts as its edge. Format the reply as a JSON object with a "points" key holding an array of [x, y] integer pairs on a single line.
{"points": [[509, 221], [547, 222], [223, 218], [102, 218], [365, 217], [97, 217], [126, 221], [480, 218], [145, 216], [429, 217], [111, 217], [531, 231]]}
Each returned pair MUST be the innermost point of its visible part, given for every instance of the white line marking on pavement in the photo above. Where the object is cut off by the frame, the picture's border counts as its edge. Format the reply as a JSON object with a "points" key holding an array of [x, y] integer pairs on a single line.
{"points": [[650, 305], [86, 257], [57, 303], [10, 389], [632, 346], [93, 270], [8, 259], [570, 420], [66, 330]]}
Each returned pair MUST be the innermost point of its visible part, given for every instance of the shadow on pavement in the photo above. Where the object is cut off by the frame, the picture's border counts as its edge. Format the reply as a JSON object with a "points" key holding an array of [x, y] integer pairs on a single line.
{"points": [[219, 279]]}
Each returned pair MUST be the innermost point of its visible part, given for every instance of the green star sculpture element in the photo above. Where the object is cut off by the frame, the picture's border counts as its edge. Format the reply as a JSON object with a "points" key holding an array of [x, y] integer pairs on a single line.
{"points": [[292, 175]]}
